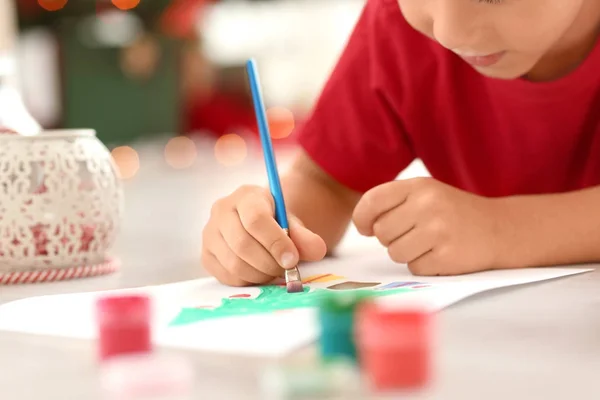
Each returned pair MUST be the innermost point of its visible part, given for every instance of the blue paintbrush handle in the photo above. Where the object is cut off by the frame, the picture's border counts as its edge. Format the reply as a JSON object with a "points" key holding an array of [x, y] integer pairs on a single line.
{"points": [[265, 139]]}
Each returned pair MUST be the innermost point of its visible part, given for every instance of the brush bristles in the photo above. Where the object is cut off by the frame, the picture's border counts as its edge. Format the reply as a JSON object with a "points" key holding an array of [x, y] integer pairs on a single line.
{"points": [[294, 287]]}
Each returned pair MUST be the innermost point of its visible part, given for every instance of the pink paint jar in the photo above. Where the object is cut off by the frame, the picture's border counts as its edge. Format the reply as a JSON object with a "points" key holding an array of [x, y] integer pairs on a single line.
{"points": [[124, 325]]}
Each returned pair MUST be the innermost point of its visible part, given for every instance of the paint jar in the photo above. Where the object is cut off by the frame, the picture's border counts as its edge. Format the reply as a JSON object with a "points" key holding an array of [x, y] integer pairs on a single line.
{"points": [[336, 380], [394, 345], [147, 376], [130, 369], [336, 321], [124, 325]]}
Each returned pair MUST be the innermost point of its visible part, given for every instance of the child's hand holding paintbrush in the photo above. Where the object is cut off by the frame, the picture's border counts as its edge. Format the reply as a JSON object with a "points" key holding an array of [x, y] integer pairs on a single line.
{"points": [[250, 237], [244, 245]]}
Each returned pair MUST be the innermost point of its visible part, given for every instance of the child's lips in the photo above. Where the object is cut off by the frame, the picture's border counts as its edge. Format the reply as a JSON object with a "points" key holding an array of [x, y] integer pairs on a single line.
{"points": [[483, 60]]}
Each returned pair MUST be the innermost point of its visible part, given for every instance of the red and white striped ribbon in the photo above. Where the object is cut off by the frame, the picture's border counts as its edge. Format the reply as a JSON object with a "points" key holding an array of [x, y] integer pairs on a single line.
{"points": [[59, 274]]}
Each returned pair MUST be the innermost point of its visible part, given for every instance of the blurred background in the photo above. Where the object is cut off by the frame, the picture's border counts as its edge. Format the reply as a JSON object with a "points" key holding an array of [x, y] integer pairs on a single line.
{"points": [[164, 85], [138, 71]]}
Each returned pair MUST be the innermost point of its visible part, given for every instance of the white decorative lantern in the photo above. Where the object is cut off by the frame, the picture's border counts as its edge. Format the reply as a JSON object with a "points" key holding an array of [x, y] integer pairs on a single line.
{"points": [[61, 205]]}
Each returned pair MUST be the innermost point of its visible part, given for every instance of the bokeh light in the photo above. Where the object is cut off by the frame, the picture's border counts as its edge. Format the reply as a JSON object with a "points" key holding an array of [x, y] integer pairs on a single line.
{"points": [[127, 160], [281, 122], [52, 5], [231, 150], [126, 4], [180, 152]]}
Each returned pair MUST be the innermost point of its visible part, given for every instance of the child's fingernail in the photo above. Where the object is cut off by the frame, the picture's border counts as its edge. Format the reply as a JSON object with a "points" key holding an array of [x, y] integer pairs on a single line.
{"points": [[287, 260]]}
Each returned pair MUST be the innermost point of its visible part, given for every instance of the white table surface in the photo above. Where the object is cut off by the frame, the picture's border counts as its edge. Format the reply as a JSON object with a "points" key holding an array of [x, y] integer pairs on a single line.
{"points": [[538, 341]]}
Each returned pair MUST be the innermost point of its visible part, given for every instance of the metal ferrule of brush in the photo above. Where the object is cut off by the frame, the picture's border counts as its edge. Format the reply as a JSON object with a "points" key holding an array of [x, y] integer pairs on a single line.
{"points": [[292, 275]]}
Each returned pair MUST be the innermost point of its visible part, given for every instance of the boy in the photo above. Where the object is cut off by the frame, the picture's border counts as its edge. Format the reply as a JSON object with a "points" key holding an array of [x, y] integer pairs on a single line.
{"points": [[501, 101]]}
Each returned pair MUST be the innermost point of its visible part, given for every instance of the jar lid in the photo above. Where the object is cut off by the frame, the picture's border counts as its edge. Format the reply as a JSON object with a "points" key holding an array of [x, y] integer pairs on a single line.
{"points": [[340, 302], [384, 326], [147, 375], [129, 309]]}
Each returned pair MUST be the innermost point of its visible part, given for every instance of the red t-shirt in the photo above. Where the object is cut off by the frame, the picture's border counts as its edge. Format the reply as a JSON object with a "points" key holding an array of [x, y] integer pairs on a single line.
{"points": [[396, 95]]}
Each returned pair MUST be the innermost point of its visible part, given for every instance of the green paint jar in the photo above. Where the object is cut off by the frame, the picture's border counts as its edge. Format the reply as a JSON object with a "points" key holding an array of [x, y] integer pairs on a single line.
{"points": [[336, 320]]}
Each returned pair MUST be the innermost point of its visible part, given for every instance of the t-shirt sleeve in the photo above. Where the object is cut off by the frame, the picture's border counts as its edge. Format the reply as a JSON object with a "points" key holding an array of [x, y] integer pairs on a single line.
{"points": [[353, 133]]}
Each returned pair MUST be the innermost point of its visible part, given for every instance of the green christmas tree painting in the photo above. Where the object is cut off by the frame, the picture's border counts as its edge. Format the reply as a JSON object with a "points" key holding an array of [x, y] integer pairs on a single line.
{"points": [[270, 299]]}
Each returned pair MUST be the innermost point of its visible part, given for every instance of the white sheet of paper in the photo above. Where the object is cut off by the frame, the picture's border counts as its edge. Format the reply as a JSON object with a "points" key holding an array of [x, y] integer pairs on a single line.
{"points": [[272, 334]]}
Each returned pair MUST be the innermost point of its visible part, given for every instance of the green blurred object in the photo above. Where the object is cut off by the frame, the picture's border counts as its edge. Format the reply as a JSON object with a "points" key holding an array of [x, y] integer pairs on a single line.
{"points": [[97, 94]]}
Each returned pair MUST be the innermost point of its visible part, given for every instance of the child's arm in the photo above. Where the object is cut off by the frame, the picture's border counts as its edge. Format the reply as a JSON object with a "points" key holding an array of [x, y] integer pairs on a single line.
{"points": [[553, 229], [323, 205], [509, 232]]}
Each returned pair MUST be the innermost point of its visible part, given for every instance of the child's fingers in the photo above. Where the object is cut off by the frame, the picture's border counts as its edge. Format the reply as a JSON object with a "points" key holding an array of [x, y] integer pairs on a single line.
{"points": [[379, 201], [311, 246], [214, 268], [425, 265], [235, 265], [256, 215], [410, 246], [395, 223], [246, 247]]}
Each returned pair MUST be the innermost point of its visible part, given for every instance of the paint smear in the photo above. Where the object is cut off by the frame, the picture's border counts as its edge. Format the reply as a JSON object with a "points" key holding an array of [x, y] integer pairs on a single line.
{"points": [[393, 285], [321, 278], [353, 285], [270, 300]]}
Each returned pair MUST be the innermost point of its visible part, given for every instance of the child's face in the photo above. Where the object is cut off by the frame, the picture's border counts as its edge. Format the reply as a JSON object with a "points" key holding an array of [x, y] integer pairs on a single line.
{"points": [[500, 38]]}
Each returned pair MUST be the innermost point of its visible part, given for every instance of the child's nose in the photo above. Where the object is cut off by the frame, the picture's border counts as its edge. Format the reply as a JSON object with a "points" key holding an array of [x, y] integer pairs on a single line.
{"points": [[455, 25]]}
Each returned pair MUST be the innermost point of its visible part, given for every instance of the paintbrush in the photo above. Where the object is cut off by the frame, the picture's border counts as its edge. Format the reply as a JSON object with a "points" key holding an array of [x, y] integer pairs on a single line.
{"points": [[293, 281]]}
